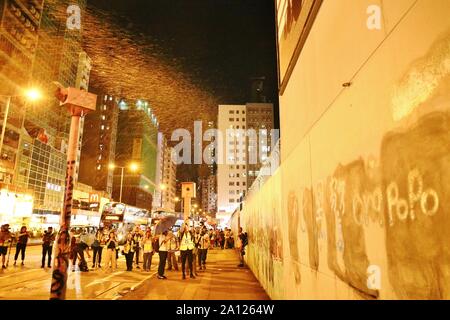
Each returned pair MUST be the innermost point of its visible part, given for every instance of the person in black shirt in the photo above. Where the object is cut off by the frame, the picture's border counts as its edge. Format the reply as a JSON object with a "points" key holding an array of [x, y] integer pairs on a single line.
{"points": [[47, 246], [22, 240]]}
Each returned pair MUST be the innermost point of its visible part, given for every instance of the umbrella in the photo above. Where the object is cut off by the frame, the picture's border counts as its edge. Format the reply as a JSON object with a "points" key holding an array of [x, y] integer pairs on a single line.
{"points": [[165, 224]]}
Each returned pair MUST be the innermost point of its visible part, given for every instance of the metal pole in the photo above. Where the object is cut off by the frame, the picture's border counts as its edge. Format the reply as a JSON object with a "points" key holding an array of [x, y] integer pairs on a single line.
{"points": [[62, 248], [121, 185], [5, 122]]}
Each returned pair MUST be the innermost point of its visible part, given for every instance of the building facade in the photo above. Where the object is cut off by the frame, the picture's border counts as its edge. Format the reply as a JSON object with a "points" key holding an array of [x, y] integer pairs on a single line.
{"points": [[231, 158], [208, 191], [260, 119], [246, 142], [41, 161], [137, 142], [169, 192], [19, 25], [98, 149]]}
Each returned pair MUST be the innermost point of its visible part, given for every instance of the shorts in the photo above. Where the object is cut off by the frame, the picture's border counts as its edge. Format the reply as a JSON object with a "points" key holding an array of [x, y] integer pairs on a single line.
{"points": [[3, 250]]}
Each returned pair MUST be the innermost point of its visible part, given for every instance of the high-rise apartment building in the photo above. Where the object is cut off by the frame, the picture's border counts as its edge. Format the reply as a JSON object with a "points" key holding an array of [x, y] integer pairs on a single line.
{"points": [[99, 144], [232, 158], [169, 180], [137, 141], [260, 119], [19, 24], [246, 143], [41, 164], [208, 195]]}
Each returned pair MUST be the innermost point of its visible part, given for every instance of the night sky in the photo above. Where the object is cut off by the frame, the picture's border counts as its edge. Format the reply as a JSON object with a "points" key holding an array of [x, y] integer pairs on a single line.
{"points": [[219, 44], [214, 46]]}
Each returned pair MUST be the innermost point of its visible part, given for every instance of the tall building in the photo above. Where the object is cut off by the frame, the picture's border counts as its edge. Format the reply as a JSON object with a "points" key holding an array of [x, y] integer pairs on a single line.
{"points": [[19, 24], [99, 144], [169, 180], [232, 160], [246, 132], [82, 82], [137, 141], [41, 165], [157, 195], [208, 195], [259, 118]]}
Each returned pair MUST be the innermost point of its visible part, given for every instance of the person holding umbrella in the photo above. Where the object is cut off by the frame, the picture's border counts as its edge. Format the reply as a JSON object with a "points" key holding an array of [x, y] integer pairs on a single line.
{"points": [[5, 242]]}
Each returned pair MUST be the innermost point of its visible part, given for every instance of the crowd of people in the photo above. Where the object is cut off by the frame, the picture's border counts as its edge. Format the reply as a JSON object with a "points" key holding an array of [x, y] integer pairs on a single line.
{"points": [[185, 249]]}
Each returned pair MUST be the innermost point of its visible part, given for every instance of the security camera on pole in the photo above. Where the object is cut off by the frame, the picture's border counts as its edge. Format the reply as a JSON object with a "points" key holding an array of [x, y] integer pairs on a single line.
{"points": [[78, 103]]}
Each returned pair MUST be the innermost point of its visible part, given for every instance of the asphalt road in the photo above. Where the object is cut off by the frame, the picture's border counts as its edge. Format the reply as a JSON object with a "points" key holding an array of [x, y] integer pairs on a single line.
{"points": [[30, 282]]}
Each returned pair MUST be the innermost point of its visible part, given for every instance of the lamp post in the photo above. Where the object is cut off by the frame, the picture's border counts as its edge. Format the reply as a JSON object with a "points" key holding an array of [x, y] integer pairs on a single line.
{"points": [[78, 103], [133, 167]]}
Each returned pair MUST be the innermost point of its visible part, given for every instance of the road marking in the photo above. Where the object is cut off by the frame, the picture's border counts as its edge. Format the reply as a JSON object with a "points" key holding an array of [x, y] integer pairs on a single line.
{"points": [[18, 273], [104, 279]]}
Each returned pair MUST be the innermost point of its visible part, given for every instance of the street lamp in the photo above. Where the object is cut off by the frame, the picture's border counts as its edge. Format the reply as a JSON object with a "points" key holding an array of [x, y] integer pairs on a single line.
{"points": [[133, 168], [31, 95]]}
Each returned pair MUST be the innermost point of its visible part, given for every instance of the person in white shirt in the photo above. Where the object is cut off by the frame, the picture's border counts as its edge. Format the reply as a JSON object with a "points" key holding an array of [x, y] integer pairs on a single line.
{"points": [[163, 248], [148, 250], [186, 237]]}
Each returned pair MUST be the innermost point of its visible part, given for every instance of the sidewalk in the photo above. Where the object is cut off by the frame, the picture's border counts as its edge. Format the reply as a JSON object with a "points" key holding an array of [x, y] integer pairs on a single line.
{"points": [[222, 280]]}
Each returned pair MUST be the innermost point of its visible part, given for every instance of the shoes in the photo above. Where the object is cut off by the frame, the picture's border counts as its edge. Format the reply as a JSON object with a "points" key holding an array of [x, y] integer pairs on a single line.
{"points": [[162, 277], [241, 265], [22, 264], [49, 266], [42, 266], [184, 277], [99, 266], [192, 276], [3, 267], [15, 263], [93, 266], [137, 267]]}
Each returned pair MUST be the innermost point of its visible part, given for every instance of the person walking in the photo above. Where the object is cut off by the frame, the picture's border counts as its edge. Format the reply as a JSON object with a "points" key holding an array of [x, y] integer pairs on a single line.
{"points": [[172, 246], [163, 249], [204, 243], [47, 247], [186, 237], [112, 246], [137, 237], [147, 244], [128, 250], [5, 243], [222, 239], [97, 249], [240, 246], [73, 251], [195, 252], [21, 246]]}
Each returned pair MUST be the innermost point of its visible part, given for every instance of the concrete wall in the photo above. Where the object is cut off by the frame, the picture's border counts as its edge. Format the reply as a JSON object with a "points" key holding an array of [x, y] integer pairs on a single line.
{"points": [[359, 208]]}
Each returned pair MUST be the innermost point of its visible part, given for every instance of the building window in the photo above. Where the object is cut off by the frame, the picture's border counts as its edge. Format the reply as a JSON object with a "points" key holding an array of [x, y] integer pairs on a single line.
{"points": [[231, 200], [231, 183], [231, 119], [231, 111]]}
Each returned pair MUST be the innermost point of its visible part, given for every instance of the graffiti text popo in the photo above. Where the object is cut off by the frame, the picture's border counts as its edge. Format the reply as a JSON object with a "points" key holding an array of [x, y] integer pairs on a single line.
{"points": [[418, 200]]}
